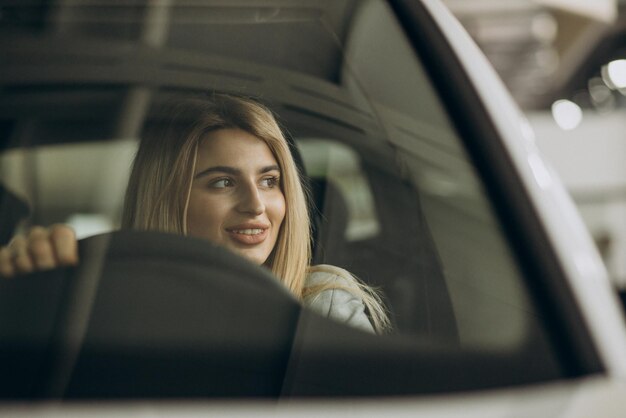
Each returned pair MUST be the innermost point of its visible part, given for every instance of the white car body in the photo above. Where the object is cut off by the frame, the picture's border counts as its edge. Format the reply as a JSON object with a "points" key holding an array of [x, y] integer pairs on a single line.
{"points": [[598, 396], [570, 237]]}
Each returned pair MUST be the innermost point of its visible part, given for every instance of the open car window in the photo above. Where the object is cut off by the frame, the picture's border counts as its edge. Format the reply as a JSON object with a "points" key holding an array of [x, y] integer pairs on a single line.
{"points": [[396, 198]]}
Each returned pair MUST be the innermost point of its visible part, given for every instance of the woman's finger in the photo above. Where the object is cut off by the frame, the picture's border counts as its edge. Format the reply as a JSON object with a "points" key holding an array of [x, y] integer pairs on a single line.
{"points": [[7, 269], [20, 255], [65, 245], [40, 249]]}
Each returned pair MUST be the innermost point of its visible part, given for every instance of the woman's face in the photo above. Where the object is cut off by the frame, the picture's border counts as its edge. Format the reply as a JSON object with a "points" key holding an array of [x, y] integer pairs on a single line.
{"points": [[236, 198]]}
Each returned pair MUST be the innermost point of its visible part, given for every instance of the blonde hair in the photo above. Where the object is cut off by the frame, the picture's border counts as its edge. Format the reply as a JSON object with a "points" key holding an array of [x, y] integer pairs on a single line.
{"points": [[165, 164]]}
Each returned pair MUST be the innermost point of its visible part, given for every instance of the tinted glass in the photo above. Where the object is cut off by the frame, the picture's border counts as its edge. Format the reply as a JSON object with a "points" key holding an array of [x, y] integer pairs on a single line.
{"points": [[397, 200]]}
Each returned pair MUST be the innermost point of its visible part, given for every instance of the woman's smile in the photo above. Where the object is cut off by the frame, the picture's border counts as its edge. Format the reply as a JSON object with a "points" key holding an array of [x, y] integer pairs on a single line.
{"points": [[251, 234]]}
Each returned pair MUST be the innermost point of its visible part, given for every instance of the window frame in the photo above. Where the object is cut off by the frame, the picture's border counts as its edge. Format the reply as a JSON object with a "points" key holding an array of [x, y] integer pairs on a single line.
{"points": [[545, 276]]}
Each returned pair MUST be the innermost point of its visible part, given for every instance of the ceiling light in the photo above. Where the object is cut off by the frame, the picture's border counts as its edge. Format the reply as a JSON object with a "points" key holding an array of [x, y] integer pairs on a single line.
{"points": [[567, 114], [614, 74], [544, 27]]}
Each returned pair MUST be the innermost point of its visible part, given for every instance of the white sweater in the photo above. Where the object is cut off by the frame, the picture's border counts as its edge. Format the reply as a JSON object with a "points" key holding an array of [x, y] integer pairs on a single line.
{"points": [[337, 303]]}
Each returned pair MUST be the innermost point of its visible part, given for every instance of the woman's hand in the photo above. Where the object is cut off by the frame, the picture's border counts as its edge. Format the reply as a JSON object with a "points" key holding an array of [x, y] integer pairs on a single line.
{"points": [[41, 249]]}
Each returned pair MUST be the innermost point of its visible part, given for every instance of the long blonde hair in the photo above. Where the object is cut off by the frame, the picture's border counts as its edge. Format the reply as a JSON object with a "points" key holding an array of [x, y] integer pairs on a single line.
{"points": [[165, 163]]}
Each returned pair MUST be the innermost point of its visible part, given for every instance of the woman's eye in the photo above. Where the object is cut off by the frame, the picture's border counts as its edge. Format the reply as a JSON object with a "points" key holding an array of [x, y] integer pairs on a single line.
{"points": [[221, 183], [270, 182]]}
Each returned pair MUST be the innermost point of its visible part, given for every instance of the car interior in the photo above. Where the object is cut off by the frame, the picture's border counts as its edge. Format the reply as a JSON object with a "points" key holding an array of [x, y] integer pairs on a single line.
{"points": [[395, 200]]}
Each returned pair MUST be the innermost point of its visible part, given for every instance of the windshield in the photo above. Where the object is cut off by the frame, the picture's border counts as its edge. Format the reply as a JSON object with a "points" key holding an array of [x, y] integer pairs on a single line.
{"points": [[395, 199]]}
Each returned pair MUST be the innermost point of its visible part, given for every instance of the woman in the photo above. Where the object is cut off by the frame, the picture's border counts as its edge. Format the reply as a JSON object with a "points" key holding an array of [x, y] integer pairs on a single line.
{"points": [[221, 169]]}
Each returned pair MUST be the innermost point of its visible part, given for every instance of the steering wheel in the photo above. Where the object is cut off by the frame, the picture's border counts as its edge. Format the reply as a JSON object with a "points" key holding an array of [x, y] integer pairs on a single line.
{"points": [[146, 314]]}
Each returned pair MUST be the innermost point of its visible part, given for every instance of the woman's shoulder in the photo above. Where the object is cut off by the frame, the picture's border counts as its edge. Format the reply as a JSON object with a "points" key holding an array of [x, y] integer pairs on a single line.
{"points": [[334, 293], [328, 275]]}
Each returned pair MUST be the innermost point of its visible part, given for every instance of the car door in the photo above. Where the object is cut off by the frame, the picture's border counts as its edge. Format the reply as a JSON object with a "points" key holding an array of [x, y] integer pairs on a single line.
{"points": [[424, 178]]}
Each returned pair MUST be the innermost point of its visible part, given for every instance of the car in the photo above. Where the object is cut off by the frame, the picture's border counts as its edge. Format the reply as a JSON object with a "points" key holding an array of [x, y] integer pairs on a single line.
{"points": [[426, 183]]}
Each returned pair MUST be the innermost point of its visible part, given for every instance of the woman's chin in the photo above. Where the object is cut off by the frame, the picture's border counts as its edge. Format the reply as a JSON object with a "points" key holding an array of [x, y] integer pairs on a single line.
{"points": [[255, 256]]}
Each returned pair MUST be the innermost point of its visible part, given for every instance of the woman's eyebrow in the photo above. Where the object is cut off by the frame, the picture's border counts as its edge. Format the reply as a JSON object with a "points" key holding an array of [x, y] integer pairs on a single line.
{"points": [[269, 168], [219, 169], [232, 170]]}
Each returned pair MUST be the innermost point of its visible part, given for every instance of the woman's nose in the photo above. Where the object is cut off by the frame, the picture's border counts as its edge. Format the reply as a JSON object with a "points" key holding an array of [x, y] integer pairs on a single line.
{"points": [[251, 201]]}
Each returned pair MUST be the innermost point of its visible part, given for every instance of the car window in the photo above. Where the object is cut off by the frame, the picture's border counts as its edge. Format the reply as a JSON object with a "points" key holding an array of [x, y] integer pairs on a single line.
{"points": [[397, 199], [334, 167], [484, 284]]}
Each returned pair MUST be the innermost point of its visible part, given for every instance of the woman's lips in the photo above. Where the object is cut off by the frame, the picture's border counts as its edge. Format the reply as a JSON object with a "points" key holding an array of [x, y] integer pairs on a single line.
{"points": [[248, 235]]}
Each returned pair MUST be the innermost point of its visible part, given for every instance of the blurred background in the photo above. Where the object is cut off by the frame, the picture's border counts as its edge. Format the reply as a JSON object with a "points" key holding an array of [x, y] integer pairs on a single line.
{"points": [[564, 61]]}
